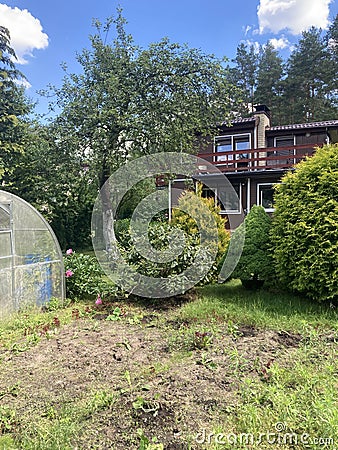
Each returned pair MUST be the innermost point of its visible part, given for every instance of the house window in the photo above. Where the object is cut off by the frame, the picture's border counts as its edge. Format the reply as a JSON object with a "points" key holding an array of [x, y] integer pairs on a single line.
{"points": [[230, 199], [224, 145], [208, 193], [237, 142], [284, 141], [265, 193], [286, 154]]}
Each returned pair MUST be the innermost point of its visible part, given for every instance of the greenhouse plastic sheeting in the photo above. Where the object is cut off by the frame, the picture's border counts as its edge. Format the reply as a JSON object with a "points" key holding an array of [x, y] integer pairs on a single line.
{"points": [[31, 264]]}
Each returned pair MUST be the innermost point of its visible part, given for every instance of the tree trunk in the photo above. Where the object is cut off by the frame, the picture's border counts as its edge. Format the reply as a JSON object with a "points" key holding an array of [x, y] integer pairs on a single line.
{"points": [[107, 212]]}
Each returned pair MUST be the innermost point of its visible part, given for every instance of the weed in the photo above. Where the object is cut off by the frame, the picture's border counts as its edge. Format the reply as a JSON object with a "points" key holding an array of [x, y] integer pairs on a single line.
{"points": [[55, 304], [116, 314], [100, 400], [12, 391], [206, 362], [8, 419], [146, 444], [202, 340], [147, 406]]}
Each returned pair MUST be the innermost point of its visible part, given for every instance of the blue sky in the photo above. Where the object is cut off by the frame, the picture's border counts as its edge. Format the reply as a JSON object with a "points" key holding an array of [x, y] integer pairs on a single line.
{"points": [[45, 34]]}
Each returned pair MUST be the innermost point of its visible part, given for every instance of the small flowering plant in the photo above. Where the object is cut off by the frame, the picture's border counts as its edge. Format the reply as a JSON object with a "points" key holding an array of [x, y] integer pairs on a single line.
{"points": [[85, 278]]}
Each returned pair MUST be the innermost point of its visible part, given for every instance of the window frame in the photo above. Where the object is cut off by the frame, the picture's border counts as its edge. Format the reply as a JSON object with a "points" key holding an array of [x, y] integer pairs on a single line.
{"points": [[259, 195], [232, 137], [217, 201]]}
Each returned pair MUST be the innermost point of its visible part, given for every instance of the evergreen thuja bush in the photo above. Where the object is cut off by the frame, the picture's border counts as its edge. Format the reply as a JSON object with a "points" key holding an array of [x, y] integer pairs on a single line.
{"points": [[255, 264], [305, 226]]}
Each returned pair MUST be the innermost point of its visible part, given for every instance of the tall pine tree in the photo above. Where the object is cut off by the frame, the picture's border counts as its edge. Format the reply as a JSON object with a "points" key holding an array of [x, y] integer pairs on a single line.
{"points": [[308, 88], [270, 81], [244, 74], [331, 39]]}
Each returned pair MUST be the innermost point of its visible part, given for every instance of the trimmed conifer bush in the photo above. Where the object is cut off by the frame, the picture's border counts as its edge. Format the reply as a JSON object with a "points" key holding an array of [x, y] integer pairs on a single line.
{"points": [[305, 226], [255, 265]]}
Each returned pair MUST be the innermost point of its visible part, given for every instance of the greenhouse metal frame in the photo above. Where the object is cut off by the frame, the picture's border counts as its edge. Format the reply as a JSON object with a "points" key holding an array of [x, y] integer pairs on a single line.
{"points": [[31, 262]]}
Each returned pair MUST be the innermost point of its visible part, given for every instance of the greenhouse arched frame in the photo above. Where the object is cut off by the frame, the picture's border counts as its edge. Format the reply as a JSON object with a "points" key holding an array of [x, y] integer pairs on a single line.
{"points": [[31, 261]]}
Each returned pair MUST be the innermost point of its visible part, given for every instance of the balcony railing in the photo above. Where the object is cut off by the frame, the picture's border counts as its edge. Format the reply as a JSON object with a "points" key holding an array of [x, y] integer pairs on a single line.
{"points": [[250, 160]]}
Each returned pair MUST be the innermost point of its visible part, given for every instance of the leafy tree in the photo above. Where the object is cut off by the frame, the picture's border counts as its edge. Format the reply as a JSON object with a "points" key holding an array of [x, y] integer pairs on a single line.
{"points": [[256, 262], [13, 106], [129, 101], [305, 226], [57, 183], [270, 81]]}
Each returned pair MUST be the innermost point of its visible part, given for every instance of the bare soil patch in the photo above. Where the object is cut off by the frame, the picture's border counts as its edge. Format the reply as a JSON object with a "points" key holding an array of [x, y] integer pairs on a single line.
{"points": [[161, 383]]}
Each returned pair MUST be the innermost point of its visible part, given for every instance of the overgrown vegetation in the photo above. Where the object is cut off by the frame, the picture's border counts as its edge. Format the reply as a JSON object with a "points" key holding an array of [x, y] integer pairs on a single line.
{"points": [[114, 119], [85, 277], [200, 217]]}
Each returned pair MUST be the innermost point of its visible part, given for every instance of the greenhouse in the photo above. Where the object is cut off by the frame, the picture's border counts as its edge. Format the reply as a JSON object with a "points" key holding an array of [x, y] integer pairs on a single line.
{"points": [[31, 264]]}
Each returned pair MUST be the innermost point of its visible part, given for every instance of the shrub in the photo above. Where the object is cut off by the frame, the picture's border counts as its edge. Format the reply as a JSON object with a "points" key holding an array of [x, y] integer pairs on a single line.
{"points": [[195, 204], [305, 226], [256, 261], [158, 234], [84, 276], [158, 237], [121, 228]]}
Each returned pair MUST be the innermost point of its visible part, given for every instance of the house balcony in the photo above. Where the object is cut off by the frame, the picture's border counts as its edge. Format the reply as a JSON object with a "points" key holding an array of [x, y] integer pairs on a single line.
{"points": [[253, 160]]}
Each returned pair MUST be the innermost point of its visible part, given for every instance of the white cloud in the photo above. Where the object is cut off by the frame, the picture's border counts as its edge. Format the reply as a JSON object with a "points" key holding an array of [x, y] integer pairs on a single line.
{"points": [[292, 15], [25, 30], [280, 43], [247, 29], [26, 84], [254, 44]]}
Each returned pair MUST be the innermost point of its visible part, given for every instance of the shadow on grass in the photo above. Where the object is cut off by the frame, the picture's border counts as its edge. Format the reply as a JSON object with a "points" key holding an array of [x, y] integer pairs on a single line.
{"points": [[163, 304]]}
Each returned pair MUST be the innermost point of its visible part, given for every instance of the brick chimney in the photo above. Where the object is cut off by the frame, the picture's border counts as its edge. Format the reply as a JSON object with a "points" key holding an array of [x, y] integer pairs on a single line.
{"points": [[262, 114]]}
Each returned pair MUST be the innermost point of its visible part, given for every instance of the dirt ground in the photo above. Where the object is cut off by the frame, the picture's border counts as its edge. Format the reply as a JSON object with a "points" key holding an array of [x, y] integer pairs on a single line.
{"points": [[166, 381]]}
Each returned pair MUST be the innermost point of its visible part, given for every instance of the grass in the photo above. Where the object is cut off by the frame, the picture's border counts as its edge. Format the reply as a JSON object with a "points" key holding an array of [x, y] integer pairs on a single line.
{"points": [[227, 369], [263, 309]]}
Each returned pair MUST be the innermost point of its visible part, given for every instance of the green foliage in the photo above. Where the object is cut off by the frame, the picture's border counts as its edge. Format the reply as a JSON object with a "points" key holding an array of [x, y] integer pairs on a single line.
{"points": [[127, 101], [55, 181], [8, 419], [14, 107], [305, 226], [158, 237], [301, 88], [85, 277], [269, 81], [309, 94], [256, 261], [206, 212], [133, 198], [121, 228], [245, 72], [175, 256]]}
